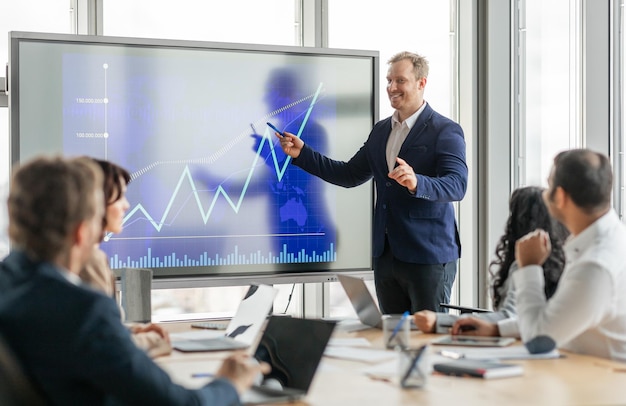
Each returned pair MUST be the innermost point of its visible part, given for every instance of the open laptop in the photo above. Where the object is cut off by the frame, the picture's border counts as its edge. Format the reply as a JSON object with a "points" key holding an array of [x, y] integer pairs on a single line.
{"points": [[294, 348], [364, 304], [244, 327]]}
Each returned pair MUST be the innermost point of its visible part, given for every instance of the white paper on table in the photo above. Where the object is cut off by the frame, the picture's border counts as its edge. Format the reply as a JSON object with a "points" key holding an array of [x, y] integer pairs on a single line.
{"points": [[385, 370], [359, 354], [349, 342]]}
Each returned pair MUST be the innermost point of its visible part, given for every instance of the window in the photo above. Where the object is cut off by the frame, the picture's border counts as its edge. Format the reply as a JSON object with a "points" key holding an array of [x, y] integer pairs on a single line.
{"points": [[25, 15], [247, 21], [548, 113], [421, 26], [620, 159], [274, 22], [426, 32]]}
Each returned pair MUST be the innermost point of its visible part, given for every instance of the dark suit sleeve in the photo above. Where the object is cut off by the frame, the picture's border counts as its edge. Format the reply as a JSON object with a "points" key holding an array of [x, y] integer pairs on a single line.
{"points": [[347, 174], [450, 182], [111, 363]]}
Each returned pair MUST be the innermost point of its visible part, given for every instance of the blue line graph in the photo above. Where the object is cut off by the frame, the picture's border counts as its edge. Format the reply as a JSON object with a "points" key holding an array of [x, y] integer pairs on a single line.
{"points": [[221, 192]]}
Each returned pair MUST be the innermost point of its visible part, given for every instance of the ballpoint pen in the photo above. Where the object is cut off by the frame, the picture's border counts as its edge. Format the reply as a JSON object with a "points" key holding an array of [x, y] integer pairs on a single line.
{"points": [[202, 375], [405, 315], [412, 364]]}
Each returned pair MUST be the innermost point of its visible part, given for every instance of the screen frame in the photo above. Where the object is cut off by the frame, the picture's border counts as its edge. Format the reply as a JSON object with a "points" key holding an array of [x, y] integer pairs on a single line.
{"points": [[313, 272]]}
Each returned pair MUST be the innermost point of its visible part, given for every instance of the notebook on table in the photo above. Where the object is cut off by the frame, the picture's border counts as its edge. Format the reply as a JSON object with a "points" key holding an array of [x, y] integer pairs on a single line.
{"points": [[364, 304], [293, 347], [243, 329], [479, 368]]}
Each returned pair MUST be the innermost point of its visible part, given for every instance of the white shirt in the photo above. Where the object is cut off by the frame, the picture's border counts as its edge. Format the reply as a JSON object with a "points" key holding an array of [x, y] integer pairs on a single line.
{"points": [[587, 313], [71, 277], [399, 132]]}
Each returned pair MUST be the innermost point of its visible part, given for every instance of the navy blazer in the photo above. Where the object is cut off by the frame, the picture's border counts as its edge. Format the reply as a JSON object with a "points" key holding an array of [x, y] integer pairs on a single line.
{"points": [[71, 342], [421, 228]]}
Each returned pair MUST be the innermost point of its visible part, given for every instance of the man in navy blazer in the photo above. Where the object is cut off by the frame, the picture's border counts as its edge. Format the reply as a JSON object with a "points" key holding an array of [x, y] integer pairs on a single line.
{"points": [[417, 160], [69, 338]]}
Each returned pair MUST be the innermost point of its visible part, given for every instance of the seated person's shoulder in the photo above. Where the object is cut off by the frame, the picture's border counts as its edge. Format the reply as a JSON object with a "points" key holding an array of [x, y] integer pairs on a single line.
{"points": [[97, 274]]}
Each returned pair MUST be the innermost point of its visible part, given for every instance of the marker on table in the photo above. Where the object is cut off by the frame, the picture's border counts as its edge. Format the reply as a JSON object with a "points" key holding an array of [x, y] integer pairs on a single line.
{"points": [[275, 129], [412, 365], [202, 375]]}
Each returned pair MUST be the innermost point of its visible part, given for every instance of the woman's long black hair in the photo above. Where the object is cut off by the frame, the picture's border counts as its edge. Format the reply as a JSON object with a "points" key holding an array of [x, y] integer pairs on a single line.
{"points": [[527, 212]]}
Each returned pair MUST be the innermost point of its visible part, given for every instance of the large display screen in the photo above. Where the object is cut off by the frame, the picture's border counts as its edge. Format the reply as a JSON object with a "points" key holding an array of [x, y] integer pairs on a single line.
{"points": [[211, 191]]}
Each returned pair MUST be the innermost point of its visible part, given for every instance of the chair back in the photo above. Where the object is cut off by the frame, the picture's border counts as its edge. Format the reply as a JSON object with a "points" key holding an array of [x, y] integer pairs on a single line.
{"points": [[15, 387]]}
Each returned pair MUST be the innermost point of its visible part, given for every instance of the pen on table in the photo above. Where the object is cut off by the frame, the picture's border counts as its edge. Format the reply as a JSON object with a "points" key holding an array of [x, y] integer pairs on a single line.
{"points": [[379, 378], [412, 365], [203, 375], [282, 134], [405, 315]]}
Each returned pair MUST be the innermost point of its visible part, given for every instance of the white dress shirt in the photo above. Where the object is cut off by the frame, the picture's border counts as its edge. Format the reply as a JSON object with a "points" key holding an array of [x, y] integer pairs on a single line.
{"points": [[71, 277], [399, 132], [587, 313]]}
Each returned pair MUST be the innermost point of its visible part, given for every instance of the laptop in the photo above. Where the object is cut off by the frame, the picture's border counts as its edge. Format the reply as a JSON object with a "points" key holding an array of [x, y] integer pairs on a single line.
{"points": [[364, 304], [243, 329], [294, 348]]}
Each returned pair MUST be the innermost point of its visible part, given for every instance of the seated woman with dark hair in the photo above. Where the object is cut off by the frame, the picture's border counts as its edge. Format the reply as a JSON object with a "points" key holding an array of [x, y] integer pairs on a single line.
{"points": [[149, 337], [527, 212]]}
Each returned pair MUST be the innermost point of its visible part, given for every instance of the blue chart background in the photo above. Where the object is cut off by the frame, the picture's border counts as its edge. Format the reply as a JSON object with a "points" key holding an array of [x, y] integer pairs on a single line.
{"points": [[208, 186]]}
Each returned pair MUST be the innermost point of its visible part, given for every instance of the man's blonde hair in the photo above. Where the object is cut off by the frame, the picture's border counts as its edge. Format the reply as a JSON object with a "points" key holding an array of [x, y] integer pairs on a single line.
{"points": [[49, 197], [420, 63]]}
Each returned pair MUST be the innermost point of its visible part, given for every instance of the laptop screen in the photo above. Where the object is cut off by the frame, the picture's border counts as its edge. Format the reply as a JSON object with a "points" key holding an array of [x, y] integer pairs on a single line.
{"points": [[362, 301], [251, 314], [294, 348]]}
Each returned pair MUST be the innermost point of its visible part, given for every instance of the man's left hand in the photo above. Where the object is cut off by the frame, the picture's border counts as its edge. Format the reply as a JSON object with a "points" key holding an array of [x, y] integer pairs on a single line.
{"points": [[533, 249]]}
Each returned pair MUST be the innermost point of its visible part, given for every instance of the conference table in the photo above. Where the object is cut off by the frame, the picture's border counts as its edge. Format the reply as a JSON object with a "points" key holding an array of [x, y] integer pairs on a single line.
{"points": [[572, 379]]}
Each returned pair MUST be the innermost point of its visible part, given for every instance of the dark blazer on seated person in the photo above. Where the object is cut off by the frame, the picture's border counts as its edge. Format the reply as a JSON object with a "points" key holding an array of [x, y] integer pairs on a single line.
{"points": [[73, 346]]}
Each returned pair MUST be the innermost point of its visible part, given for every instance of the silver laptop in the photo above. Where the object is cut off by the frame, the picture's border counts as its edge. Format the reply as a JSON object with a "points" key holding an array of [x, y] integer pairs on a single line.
{"points": [[243, 329], [294, 348], [364, 304]]}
